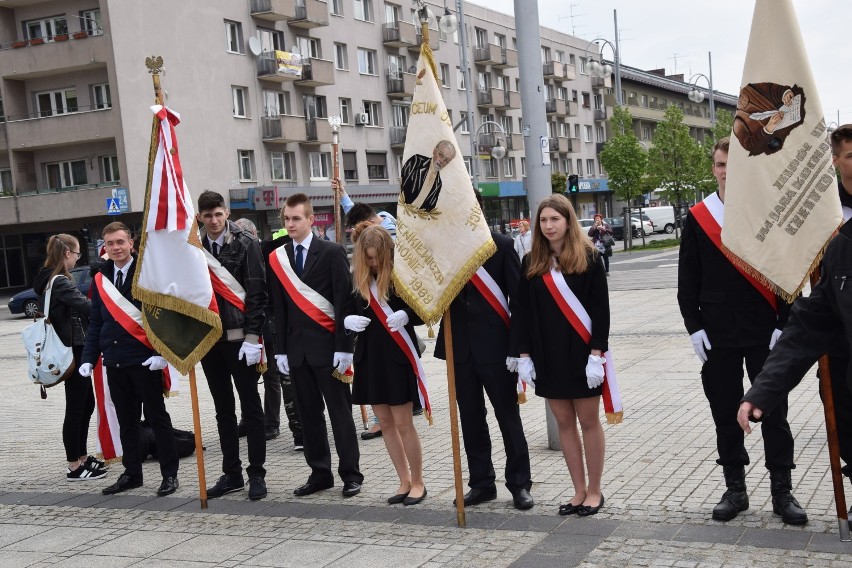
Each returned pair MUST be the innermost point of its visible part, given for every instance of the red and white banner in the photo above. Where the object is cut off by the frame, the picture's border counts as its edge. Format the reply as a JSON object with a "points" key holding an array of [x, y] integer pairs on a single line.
{"points": [[579, 319]]}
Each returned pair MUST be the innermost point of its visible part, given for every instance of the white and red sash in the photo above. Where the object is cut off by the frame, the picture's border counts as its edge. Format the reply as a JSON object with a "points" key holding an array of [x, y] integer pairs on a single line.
{"points": [[710, 215], [579, 319], [311, 302], [403, 341]]}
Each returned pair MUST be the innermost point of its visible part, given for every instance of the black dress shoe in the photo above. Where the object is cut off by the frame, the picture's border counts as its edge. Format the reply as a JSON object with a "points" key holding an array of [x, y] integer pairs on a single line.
{"points": [[408, 501], [370, 435], [124, 483], [257, 488], [586, 511], [226, 484], [477, 495], [272, 433], [351, 488], [522, 499], [398, 498], [310, 488], [168, 486]]}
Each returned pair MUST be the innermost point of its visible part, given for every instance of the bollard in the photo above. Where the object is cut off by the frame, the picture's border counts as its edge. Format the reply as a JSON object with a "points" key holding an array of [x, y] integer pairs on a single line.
{"points": [[552, 429]]}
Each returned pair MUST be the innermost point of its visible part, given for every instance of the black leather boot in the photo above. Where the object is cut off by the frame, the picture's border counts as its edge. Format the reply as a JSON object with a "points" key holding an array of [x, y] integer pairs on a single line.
{"points": [[735, 498], [783, 502]]}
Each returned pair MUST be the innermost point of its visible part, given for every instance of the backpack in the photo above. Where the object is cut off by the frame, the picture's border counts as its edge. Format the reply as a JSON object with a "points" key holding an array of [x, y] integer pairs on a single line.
{"points": [[49, 361]]}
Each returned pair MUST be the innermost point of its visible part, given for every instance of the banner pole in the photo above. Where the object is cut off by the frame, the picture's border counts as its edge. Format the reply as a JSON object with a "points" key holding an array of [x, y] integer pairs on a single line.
{"points": [[199, 447], [338, 224], [454, 418]]}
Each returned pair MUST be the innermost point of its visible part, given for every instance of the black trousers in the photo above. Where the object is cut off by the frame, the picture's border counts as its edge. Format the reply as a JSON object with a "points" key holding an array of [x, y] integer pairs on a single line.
{"points": [[722, 377], [500, 386], [312, 386], [842, 392], [221, 364], [79, 407], [131, 387], [277, 386]]}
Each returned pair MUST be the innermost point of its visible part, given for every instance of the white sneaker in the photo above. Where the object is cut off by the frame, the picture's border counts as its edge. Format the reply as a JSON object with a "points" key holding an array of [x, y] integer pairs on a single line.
{"points": [[84, 473]]}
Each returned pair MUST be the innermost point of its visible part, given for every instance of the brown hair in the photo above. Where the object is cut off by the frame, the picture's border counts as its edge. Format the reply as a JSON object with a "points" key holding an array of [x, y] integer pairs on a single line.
{"points": [[838, 136], [298, 199], [524, 225], [366, 235], [57, 246], [116, 226], [574, 258], [210, 200], [721, 144]]}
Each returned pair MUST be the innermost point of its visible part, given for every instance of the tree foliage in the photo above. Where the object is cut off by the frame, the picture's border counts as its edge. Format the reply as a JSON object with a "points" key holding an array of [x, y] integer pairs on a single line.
{"points": [[676, 163], [558, 182], [724, 125], [623, 157]]}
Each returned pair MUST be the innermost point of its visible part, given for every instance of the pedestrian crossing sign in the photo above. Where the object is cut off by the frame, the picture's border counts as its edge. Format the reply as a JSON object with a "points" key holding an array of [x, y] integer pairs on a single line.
{"points": [[112, 206]]}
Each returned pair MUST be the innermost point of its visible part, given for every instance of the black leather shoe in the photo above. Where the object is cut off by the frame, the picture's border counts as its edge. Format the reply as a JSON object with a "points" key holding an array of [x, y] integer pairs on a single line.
{"points": [[310, 488], [272, 433], [569, 509], [586, 511], [522, 499], [370, 435], [477, 495], [168, 486], [398, 498], [226, 484], [351, 488], [788, 507], [408, 501], [124, 483], [257, 488]]}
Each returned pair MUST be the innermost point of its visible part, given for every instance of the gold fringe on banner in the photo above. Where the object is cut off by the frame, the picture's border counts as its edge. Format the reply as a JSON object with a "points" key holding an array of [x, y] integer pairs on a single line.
{"points": [[522, 398], [615, 417]]}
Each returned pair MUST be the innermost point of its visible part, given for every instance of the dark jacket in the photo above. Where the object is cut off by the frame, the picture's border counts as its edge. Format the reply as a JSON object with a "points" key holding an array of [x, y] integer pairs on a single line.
{"points": [[240, 255], [478, 331], [69, 308], [816, 323], [105, 335], [377, 341]]}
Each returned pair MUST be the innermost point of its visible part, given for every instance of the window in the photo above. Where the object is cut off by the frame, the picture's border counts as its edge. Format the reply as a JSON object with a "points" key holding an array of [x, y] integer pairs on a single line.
{"points": [[491, 168], [564, 129], [341, 61], [590, 168], [319, 165], [500, 40], [500, 82], [270, 40], [465, 127], [560, 56], [583, 66], [2, 112], [545, 55], [587, 131], [573, 96], [572, 59], [5, 182], [346, 111], [377, 165], [282, 165], [445, 75], [374, 113], [460, 78], [109, 165], [392, 13], [46, 28], [509, 168], [579, 167], [90, 21], [100, 96], [506, 123], [364, 10], [484, 79], [246, 163], [524, 167], [62, 101], [577, 131], [467, 165], [566, 166], [366, 61], [481, 37], [561, 93], [239, 96], [66, 174], [350, 166], [399, 114], [234, 37], [275, 103], [314, 106], [308, 47], [598, 101], [645, 101], [646, 133], [336, 7], [599, 134], [396, 66], [587, 100]]}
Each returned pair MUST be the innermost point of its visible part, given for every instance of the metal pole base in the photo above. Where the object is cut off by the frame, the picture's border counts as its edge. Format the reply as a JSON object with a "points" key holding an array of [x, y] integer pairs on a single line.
{"points": [[843, 527]]}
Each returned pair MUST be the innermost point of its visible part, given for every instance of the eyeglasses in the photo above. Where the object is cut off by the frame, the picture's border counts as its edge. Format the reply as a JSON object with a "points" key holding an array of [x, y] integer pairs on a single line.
{"points": [[79, 254]]}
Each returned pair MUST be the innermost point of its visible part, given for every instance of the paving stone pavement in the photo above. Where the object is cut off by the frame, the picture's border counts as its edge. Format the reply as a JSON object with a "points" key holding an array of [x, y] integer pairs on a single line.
{"points": [[660, 483]]}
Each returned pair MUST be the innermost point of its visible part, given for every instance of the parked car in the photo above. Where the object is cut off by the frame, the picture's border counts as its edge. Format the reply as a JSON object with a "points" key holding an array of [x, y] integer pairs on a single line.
{"points": [[648, 225], [663, 218], [617, 226], [26, 302]]}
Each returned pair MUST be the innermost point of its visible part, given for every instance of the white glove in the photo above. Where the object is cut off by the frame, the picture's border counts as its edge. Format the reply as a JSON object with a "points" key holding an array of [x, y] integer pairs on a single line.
{"points": [[251, 352], [512, 364], [283, 364], [342, 361], [526, 371], [776, 335], [85, 370], [397, 320], [155, 363], [356, 323], [595, 371], [700, 342]]}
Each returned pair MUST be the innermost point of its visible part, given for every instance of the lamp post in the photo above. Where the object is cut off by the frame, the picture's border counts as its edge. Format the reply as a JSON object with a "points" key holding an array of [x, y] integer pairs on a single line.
{"points": [[334, 122], [602, 70], [696, 96], [498, 151]]}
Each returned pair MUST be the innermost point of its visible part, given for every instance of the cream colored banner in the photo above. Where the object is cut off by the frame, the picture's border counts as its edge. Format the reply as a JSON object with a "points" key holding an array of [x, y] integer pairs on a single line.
{"points": [[781, 200]]}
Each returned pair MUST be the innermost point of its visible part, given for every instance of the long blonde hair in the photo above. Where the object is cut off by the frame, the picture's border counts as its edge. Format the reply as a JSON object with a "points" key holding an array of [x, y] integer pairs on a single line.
{"points": [[574, 258], [57, 246], [367, 235]]}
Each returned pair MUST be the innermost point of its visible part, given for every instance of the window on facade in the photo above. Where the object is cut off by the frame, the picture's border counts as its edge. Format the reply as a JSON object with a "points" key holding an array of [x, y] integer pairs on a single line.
{"points": [[90, 22], [336, 7], [101, 97], [481, 37], [366, 61], [49, 103], [445, 75], [491, 170], [460, 78], [465, 127], [587, 100], [109, 166], [561, 93], [590, 168], [46, 28], [282, 165], [239, 99], [509, 168], [314, 106], [270, 40], [6, 181], [573, 96], [392, 13], [246, 164], [2, 112], [598, 101], [579, 167], [645, 101], [319, 165], [600, 136], [564, 129], [308, 47], [577, 131], [506, 123], [346, 111], [66, 174], [234, 37], [566, 165], [583, 66], [484, 79], [374, 113], [545, 55], [560, 56], [572, 59], [467, 165], [350, 166], [524, 167], [500, 40], [587, 131], [275, 103], [399, 114], [377, 165], [396, 66], [341, 61], [363, 10], [646, 133]]}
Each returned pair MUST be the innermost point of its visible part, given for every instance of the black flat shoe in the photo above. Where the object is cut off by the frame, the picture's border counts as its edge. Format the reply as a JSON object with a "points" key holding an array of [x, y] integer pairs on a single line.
{"points": [[522, 500], [124, 483], [569, 509], [414, 500], [168, 486], [585, 511], [370, 435], [310, 488], [398, 498]]}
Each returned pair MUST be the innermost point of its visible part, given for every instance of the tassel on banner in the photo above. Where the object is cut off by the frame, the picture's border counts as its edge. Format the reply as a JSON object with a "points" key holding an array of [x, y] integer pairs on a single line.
{"points": [[615, 417], [428, 415], [344, 377], [522, 392], [431, 331]]}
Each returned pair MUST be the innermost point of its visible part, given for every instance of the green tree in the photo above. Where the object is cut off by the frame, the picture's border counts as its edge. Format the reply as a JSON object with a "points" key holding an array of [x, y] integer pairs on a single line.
{"points": [[724, 125], [676, 162], [623, 157], [558, 182]]}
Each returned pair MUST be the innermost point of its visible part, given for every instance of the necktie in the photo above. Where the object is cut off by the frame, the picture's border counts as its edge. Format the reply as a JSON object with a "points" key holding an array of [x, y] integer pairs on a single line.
{"points": [[300, 259], [119, 279], [214, 246]]}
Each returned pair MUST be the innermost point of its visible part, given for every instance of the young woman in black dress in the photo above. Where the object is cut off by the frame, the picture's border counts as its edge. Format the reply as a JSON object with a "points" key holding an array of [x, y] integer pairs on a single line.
{"points": [[384, 375], [565, 364]]}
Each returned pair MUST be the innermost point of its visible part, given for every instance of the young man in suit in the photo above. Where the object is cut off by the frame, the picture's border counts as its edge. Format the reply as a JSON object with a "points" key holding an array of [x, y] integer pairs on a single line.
{"points": [[135, 371], [732, 318], [313, 287], [480, 350]]}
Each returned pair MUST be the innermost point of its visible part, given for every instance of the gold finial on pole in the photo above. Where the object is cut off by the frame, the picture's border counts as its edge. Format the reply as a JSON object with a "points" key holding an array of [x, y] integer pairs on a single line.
{"points": [[423, 14], [155, 66]]}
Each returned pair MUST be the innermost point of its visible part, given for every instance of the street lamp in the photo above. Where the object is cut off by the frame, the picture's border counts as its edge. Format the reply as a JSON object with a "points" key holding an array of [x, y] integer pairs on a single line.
{"points": [[831, 127], [334, 122], [601, 69], [498, 151], [696, 95]]}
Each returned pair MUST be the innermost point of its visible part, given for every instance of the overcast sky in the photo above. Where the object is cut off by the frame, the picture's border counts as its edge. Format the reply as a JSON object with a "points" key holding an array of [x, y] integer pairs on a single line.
{"points": [[677, 34]]}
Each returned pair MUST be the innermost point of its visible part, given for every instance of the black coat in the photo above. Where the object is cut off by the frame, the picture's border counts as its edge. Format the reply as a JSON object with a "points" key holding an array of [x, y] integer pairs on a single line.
{"points": [[714, 296], [478, 331], [69, 308], [326, 271]]}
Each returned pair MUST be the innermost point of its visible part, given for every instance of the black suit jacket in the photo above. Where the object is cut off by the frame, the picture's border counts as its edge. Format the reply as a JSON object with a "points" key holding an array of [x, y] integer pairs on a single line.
{"points": [[478, 331], [326, 271]]}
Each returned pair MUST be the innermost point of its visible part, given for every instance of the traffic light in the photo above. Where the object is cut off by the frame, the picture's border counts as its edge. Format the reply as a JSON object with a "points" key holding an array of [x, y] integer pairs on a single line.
{"points": [[573, 184]]}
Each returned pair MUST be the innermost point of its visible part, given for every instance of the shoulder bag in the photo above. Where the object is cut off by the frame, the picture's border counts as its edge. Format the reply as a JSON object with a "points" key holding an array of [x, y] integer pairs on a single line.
{"points": [[49, 361]]}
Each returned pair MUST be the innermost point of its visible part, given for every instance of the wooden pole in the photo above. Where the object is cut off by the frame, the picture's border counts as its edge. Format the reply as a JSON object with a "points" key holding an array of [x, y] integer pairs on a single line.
{"points": [[338, 225], [833, 443], [199, 447], [454, 418]]}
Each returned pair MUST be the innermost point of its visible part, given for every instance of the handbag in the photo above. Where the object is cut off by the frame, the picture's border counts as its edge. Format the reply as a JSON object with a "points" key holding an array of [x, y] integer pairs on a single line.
{"points": [[49, 361], [607, 240]]}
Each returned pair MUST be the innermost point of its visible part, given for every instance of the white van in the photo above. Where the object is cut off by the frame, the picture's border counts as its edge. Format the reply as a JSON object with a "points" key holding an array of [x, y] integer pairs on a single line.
{"points": [[662, 217]]}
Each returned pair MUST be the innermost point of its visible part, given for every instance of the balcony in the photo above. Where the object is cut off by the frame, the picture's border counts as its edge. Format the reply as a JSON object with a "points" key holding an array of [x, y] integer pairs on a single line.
{"points": [[284, 128], [397, 136], [489, 97], [601, 82], [514, 142], [400, 85], [511, 100], [566, 145], [317, 131], [574, 145], [600, 114], [570, 108], [273, 10], [310, 14], [496, 56], [556, 107], [316, 73], [284, 71], [554, 144], [45, 205], [400, 34], [56, 57], [434, 41], [31, 132], [558, 71]]}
